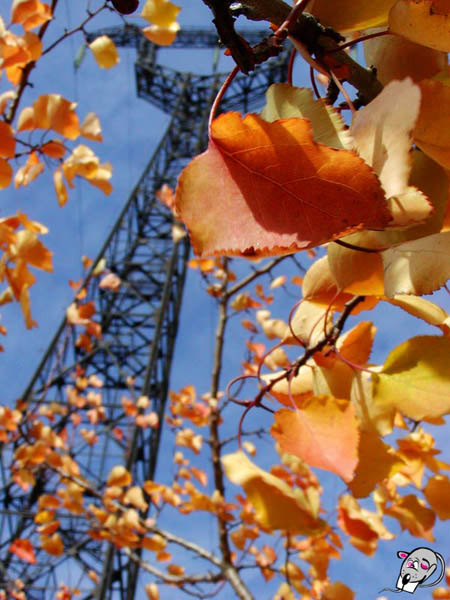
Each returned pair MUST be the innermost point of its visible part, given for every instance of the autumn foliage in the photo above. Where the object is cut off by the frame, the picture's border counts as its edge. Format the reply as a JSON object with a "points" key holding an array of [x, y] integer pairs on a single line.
{"points": [[348, 197]]}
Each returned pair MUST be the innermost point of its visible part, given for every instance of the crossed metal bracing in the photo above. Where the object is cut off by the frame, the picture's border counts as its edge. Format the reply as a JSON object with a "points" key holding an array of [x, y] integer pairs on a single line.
{"points": [[133, 355]]}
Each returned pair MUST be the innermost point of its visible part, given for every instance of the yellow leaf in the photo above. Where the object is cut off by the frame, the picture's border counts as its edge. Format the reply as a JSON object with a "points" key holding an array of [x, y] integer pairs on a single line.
{"points": [[162, 13], [422, 21], [437, 492], [29, 171], [283, 101], [416, 378], [382, 133], [151, 589], [276, 504], [105, 52], [372, 415], [164, 36], [347, 15], [90, 128], [300, 386], [6, 173], [417, 267], [356, 272], [309, 324], [60, 188], [431, 132], [135, 497], [395, 57], [30, 13], [118, 476], [424, 309]]}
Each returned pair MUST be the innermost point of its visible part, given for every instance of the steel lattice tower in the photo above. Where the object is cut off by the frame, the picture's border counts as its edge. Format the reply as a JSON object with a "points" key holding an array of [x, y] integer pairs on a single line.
{"points": [[139, 324]]}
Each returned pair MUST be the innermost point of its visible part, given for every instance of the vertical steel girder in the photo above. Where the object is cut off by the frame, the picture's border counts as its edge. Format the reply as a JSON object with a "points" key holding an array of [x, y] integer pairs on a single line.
{"points": [[139, 324]]}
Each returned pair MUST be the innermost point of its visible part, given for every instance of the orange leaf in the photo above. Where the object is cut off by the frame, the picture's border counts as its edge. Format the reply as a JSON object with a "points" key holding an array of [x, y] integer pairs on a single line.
{"points": [[7, 140], [267, 188], [324, 434], [30, 13], [412, 515], [29, 171], [375, 464], [24, 550], [6, 173], [51, 111], [53, 545]]}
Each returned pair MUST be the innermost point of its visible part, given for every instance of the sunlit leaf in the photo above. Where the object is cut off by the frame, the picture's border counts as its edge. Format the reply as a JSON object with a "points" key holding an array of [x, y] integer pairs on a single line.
{"points": [[417, 267], [347, 15], [29, 171], [51, 111], [276, 504], [283, 101], [415, 378], [374, 464], [422, 21], [24, 550], [324, 433], [437, 492], [30, 13], [412, 515], [105, 52], [234, 203], [6, 173]]}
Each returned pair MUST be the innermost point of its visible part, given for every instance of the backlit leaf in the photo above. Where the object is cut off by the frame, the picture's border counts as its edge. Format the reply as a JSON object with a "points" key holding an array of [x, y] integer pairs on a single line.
{"points": [[437, 492], [424, 309], [422, 21], [51, 111], [418, 267], [412, 515], [324, 433], [276, 504], [30, 13], [431, 131], [416, 378], [105, 52], [6, 173], [347, 15], [374, 464], [267, 188], [395, 57], [284, 101], [24, 550]]}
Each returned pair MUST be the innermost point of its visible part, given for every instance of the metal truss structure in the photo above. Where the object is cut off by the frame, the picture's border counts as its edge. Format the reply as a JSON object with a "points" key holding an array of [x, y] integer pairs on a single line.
{"points": [[133, 355]]}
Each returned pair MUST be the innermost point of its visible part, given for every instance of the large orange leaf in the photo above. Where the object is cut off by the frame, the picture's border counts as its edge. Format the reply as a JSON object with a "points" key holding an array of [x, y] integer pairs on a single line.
{"points": [[267, 188], [324, 434]]}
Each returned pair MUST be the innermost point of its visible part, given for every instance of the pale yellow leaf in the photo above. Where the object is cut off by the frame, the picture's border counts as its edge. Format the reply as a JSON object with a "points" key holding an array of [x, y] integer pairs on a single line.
{"points": [[284, 101], [417, 267]]}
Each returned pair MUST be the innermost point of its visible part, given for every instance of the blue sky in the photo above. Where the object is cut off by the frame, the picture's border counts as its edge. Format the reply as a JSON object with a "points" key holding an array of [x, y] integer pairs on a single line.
{"points": [[131, 130]]}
